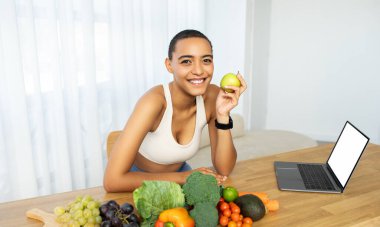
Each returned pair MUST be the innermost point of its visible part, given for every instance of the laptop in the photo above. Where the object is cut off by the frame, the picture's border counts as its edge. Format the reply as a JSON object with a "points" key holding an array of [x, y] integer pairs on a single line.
{"points": [[329, 177]]}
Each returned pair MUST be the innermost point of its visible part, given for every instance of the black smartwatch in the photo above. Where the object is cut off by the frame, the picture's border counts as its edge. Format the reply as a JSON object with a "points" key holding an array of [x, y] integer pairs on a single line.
{"points": [[224, 126]]}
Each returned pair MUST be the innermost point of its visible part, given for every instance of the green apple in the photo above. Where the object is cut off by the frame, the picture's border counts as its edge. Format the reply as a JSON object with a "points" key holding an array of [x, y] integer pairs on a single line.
{"points": [[229, 79]]}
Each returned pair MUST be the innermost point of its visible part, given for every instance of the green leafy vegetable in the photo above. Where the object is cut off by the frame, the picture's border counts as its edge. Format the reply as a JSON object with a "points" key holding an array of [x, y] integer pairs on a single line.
{"points": [[152, 197]]}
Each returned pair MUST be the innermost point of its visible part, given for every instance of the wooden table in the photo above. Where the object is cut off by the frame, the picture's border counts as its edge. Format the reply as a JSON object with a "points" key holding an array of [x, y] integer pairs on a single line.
{"points": [[359, 205]]}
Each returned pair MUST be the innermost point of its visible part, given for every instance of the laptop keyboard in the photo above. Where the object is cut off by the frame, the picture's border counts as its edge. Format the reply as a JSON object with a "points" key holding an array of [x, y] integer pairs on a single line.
{"points": [[315, 177]]}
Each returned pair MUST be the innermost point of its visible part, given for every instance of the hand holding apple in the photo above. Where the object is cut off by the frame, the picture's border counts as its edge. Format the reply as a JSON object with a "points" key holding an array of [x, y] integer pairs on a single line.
{"points": [[232, 86]]}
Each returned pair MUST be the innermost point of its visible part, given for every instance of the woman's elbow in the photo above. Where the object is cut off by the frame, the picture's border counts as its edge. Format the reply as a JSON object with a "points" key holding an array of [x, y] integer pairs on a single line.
{"points": [[121, 183], [109, 184]]}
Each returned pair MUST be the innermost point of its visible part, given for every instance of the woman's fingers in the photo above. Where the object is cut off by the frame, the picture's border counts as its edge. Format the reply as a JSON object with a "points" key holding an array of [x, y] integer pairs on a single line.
{"points": [[235, 89], [219, 178], [243, 86], [236, 92], [234, 97]]}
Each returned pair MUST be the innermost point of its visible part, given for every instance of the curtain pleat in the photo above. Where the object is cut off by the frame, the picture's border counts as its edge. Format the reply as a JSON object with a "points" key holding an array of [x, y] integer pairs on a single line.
{"points": [[117, 64], [21, 176], [89, 112]]}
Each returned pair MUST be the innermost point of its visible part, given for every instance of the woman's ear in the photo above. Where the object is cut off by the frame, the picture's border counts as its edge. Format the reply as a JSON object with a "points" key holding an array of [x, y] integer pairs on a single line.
{"points": [[168, 65]]}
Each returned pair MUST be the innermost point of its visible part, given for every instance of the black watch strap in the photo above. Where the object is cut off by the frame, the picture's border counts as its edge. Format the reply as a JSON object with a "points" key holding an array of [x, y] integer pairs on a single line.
{"points": [[224, 126]]}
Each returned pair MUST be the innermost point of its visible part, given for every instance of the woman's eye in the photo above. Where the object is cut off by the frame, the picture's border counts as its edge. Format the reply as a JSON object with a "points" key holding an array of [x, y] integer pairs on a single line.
{"points": [[185, 62], [207, 60]]}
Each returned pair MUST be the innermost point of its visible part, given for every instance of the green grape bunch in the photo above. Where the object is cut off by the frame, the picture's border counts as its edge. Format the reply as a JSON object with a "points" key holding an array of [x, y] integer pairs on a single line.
{"points": [[83, 211]]}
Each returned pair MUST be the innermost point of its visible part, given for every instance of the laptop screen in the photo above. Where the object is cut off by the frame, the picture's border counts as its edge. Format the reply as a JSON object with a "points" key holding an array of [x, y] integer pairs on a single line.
{"points": [[346, 153]]}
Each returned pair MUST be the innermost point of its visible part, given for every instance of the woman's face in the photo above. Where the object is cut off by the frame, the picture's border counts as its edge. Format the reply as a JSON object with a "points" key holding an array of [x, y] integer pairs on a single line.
{"points": [[192, 65]]}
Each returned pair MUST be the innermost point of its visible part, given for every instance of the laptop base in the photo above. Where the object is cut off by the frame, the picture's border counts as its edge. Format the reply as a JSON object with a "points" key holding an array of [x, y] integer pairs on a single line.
{"points": [[289, 178]]}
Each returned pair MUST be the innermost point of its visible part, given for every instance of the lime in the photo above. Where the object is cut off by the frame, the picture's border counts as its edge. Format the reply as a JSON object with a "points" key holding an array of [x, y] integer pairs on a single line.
{"points": [[230, 194]]}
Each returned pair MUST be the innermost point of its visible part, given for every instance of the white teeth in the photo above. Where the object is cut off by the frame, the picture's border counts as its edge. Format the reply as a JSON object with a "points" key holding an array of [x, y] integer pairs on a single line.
{"points": [[196, 81]]}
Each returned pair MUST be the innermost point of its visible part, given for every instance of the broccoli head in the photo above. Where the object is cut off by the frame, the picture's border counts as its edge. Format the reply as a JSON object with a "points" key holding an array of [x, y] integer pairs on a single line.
{"points": [[205, 215], [201, 188]]}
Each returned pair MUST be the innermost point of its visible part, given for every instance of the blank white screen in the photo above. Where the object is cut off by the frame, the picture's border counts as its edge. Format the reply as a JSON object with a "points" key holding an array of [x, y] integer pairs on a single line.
{"points": [[346, 153]]}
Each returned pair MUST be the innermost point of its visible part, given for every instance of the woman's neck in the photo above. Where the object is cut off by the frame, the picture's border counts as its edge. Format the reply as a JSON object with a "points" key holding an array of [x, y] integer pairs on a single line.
{"points": [[180, 99]]}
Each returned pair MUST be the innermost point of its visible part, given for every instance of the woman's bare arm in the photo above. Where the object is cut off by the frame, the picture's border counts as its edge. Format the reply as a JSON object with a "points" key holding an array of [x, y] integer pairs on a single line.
{"points": [[117, 176], [223, 151]]}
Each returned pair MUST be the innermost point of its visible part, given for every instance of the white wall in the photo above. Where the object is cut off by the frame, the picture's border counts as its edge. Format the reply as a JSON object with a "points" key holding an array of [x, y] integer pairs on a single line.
{"points": [[323, 67], [257, 56], [226, 29]]}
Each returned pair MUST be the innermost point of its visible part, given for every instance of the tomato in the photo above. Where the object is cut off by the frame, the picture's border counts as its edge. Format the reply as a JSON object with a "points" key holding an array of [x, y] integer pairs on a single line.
{"points": [[235, 209], [235, 217], [232, 204], [241, 217], [221, 200], [239, 224], [227, 212], [223, 220], [246, 225], [223, 206], [247, 220], [232, 224]]}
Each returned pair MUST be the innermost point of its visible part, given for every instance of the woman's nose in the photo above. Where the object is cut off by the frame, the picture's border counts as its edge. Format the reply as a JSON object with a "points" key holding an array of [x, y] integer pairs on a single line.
{"points": [[197, 69]]}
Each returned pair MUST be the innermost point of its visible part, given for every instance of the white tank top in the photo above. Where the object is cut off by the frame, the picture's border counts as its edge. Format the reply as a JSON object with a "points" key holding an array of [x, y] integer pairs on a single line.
{"points": [[161, 147]]}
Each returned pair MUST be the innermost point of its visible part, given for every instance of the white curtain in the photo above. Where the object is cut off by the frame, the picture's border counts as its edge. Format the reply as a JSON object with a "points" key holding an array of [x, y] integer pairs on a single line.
{"points": [[71, 72]]}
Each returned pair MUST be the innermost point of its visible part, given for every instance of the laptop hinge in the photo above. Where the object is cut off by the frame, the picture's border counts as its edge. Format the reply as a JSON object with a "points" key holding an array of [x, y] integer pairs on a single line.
{"points": [[332, 174]]}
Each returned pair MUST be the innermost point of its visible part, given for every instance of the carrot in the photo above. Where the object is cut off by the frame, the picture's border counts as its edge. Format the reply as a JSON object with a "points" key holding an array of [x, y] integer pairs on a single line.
{"points": [[262, 195], [272, 205]]}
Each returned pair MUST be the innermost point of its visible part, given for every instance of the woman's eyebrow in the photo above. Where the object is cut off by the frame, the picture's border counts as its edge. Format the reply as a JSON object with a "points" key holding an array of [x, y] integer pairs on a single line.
{"points": [[208, 56], [191, 56], [185, 56]]}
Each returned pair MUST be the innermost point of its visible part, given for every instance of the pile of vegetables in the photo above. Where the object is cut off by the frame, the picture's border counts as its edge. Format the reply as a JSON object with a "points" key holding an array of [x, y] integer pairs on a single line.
{"points": [[198, 203]]}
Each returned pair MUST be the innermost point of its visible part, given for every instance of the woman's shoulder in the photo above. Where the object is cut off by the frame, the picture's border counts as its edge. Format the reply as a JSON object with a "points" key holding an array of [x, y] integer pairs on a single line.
{"points": [[154, 98], [156, 92]]}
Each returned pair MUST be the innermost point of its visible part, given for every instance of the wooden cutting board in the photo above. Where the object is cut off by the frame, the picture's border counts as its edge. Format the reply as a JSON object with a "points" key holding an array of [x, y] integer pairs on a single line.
{"points": [[47, 218]]}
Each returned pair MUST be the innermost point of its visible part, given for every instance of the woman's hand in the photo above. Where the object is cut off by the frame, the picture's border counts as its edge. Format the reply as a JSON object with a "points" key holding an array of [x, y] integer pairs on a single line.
{"points": [[225, 101], [211, 172]]}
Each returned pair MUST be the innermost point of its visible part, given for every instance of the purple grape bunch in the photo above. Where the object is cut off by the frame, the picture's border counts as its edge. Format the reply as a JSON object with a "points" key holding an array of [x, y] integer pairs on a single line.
{"points": [[114, 215]]}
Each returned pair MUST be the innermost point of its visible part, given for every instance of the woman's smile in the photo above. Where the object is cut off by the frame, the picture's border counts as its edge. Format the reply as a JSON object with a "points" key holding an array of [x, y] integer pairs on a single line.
{"points": [[197, 82]]}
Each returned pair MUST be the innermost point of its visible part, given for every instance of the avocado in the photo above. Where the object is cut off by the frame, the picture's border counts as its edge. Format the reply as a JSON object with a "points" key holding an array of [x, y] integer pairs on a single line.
{"points": [[251, 206]]}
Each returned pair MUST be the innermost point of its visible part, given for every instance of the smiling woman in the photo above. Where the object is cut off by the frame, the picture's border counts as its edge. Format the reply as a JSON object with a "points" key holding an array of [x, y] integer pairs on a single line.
{"points": [[165, 127]]}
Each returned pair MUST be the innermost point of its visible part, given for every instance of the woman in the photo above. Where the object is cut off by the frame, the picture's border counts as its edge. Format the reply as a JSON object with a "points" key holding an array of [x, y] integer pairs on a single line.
{"points": [[164, 129]]}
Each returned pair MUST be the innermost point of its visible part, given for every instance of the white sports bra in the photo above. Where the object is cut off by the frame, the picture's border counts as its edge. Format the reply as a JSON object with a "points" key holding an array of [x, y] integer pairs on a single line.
{"points": [[161, 147]]}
